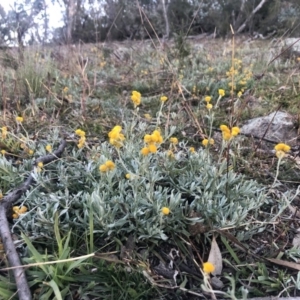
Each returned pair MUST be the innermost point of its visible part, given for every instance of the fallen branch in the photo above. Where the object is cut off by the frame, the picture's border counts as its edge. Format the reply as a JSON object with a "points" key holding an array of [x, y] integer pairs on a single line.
{"points": [[6, 212], [255, 10]]}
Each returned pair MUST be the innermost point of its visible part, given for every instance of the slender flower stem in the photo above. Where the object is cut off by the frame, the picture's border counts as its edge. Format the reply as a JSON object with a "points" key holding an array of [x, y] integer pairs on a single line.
{"points": [[277, 171], [159, 115]]}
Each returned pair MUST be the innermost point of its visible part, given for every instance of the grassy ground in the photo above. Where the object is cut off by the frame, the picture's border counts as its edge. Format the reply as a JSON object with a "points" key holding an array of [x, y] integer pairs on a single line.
{"points": [[133, 225]]}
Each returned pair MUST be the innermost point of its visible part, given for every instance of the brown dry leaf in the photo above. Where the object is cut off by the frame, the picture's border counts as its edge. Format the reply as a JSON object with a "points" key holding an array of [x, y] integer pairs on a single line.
{"points": [[284, 263], [215, 257]]}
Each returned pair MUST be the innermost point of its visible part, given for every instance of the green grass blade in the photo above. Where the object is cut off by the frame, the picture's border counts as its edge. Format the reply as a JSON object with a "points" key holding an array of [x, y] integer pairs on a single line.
{"points": [[55, 289]]}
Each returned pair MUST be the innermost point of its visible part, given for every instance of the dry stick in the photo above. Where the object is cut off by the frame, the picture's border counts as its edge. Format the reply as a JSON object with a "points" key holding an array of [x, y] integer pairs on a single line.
{"points": [[255, 10], [4, 98], [5, 209], [273, 59]]}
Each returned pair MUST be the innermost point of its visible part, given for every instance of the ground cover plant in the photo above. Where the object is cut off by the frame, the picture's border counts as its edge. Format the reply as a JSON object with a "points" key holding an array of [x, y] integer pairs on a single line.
{"points": [[151, 194]]}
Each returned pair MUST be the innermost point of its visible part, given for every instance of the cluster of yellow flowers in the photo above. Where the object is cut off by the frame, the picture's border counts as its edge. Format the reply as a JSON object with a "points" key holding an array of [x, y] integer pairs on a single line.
{"points": [[229, 133], [281, 149], [4, 132], [207, 142], [152, 141], [116, 138], [207, 99], [136, 98], [82, 139], [234, 71], [17, 211], [24, 146], [108, 166]]}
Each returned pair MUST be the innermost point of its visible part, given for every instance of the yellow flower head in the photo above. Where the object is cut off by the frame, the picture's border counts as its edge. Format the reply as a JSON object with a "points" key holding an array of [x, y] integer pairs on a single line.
{"points": [[221, 93], [80, 145], [103, 168], [145, 151], [19, 119], [148, 139], [208, 267], [40, 164], [117, 129], [3, 152], [174, 140], [30, 152], [107, 166], [226, 135], [163, 98], [127, 176], [154, 138], [15, 208], [283, 147], [152, 148], [207, 98], [224, 128], [192, 149], [23, 209], [165, 211], [18, 211], [206, 142], [81, 142], [49, 148], [209, 106], [79, 132], [235, 131], [110, 165], [239, 94], [229, 133], [136, 98], [116, 138]]}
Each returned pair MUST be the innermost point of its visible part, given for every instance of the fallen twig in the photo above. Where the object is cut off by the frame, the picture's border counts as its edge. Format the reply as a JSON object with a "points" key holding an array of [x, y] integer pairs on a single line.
{"points": [[6, 211]]}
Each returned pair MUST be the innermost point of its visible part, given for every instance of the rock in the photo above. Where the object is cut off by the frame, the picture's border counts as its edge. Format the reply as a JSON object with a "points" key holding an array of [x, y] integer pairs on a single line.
{"points": [[294, 43], [290, 49], [276, 127]]}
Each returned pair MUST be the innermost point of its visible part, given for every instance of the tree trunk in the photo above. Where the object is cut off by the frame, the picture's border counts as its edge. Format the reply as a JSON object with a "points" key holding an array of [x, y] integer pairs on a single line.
{"points": [[71, 10], [167, 33]]}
